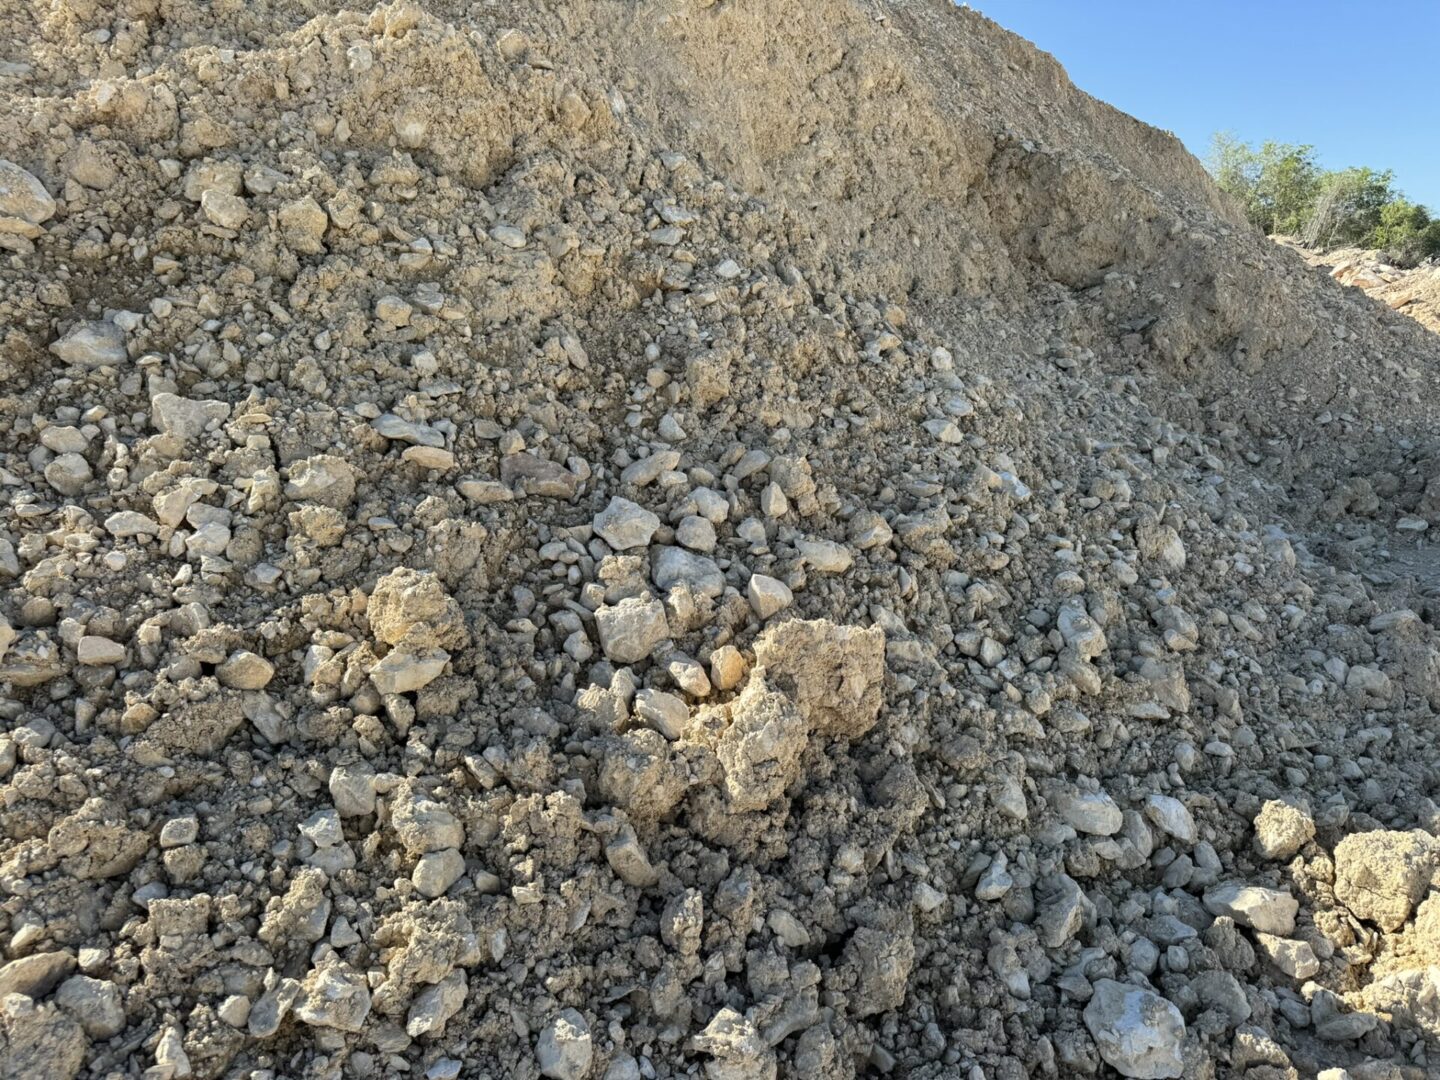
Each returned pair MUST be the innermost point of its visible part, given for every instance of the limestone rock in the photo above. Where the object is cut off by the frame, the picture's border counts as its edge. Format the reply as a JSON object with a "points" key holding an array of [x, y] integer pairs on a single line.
{"points": [[834, 673], [1382, 875], [564, 1050], [1138, 1033], [92, 345]]}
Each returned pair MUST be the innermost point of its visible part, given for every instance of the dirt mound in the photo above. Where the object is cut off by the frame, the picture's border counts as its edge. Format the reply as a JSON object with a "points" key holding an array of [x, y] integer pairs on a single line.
{"points": [[651, 539]]}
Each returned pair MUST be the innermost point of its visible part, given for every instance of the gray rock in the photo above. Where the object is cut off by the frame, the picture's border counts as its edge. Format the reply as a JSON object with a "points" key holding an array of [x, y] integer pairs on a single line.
{"points": [[1268, 910], [1138, 1033], [564, 1051], [24, 199], [98, 1007], [671, 566], [625, 525], [768, 595], [184, 418], [437, 871], [630, 630], [35, 975], [92, 345], [1092, 812], [648, 469], [1171, 816], [666, 713], [335, 995], [435, 1005]]}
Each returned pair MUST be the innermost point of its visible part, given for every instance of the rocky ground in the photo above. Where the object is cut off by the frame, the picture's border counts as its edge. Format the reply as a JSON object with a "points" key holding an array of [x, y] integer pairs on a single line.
{"points": [[1413, 291], [612, 540]]}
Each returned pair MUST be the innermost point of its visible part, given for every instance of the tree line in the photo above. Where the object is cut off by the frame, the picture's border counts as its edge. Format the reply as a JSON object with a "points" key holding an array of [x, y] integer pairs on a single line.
{"points": [[1285, 191]]}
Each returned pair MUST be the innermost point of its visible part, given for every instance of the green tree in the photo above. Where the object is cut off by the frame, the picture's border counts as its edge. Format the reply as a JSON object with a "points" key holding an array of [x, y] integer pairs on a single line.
{"points": [[1407, 234], [1277, 184], [1348, 208]]}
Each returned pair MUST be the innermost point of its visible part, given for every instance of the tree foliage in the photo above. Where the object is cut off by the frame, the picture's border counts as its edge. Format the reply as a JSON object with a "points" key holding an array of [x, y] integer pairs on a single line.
{"points": [[1284, 190]]}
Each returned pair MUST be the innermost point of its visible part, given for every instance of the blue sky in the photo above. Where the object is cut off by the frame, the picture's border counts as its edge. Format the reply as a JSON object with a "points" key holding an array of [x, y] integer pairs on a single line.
{"points": [[1358, 81]]}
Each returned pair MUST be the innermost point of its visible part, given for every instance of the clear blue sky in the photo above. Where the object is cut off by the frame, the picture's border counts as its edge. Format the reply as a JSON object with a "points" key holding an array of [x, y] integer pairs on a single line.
{"points": [[1359, 81]]}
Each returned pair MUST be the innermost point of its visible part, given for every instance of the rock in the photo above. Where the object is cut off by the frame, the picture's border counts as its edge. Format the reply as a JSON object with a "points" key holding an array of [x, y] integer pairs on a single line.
{"points": [[437, 871], [671, 566], [996, 881], [696, 533], [768, 595], [628, 859], [1382, 875], [334, 995], [1138, 1033], [406, 668], [666, 713], [834, 673], [435, 1005], [302, 224], [1064, 911], [1092, 812], [92, 345], [1295, 958], [508, 235], [625, 525], [736, 1048], [323, 479], [186, 419], [564, 1050], [429, 457], [1171, 817], [64, 439], [1267, 910], [25, 204], [225, 210], [35, 975], [244, 670], [536, 476], [630, 630], [352, 789], [95, 1005], [826, 556], [127, 523], [647, 470], [727, 668], [68, 474], [7, 636], [96, 651], [398, 429], [1282, 829]]}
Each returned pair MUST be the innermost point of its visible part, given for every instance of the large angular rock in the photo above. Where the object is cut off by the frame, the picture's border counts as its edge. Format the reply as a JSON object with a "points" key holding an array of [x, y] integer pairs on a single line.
{"points": [[92, 345], [412, 607], [564, 1051], [24, 202], [1138, 1033], [630, 630], [1382, 875], [670, 566], [835, 674], [625, 525], [1267, 910]]}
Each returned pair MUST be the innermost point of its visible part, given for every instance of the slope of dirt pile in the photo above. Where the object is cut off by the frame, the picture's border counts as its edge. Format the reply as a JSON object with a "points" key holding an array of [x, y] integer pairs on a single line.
{"points": [[1414, 292], [612, 540]]}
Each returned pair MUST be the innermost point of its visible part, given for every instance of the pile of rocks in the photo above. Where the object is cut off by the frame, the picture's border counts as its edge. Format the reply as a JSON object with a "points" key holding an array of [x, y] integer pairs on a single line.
{"points": [[512, 568]]}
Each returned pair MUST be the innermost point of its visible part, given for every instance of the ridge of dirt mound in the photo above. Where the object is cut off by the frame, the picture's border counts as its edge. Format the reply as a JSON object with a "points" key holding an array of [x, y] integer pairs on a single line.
{"points": [[612, 540]]}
